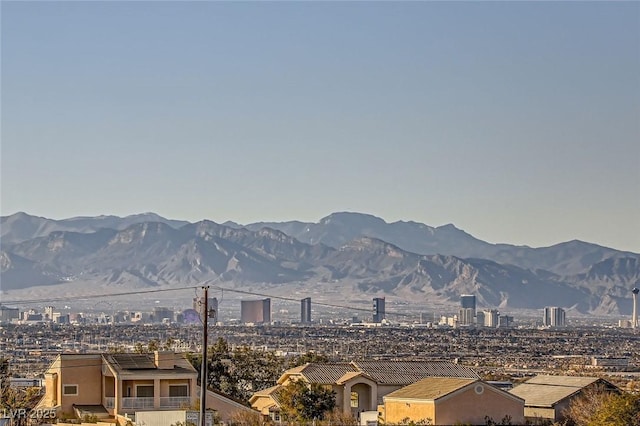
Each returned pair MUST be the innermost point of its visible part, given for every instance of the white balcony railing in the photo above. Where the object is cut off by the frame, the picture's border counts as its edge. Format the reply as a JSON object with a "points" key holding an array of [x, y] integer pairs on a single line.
{"points": [[137, 403], [175, 401], [143, 403], [109, 402]]}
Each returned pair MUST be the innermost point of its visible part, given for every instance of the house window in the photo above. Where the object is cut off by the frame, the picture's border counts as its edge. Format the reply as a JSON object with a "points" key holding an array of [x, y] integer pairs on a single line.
{"points": [[178, 390], [69, 390], [144, 391], [354, 400]]}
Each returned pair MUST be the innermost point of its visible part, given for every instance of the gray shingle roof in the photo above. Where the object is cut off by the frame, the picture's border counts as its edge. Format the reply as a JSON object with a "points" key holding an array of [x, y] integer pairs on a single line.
{"points": [[326, 372], [547, 391]]}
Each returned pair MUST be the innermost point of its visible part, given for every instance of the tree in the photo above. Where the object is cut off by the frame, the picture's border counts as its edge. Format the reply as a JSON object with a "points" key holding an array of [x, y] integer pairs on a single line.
{"points": [[300, 401], [15, 399], [239, 373], [599, 406]]}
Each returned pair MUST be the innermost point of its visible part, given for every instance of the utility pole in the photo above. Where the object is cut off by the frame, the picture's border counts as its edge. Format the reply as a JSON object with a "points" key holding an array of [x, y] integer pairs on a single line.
{"points": [[204, 314]]}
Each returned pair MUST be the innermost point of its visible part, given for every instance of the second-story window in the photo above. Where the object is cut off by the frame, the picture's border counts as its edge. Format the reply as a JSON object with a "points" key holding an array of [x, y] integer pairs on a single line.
{"points": [[144, 391], [69, 390]]}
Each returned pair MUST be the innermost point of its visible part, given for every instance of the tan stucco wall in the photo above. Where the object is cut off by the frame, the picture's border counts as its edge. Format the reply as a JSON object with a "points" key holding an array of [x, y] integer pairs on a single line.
{"points": [[85, 371], [539, 413], [397, 410], [262, 404], [225, 408], [467, 406]]}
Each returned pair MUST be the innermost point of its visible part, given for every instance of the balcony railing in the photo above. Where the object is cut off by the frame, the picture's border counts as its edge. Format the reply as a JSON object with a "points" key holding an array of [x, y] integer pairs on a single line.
{"points": [[175, 402], [109, 402], [137, 403], [142, 403]]}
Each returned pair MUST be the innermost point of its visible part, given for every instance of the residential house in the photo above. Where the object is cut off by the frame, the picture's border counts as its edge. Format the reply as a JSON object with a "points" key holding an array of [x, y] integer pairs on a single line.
{"points": [[358, 386], [547, 397], [451, 400], [108, 385]]}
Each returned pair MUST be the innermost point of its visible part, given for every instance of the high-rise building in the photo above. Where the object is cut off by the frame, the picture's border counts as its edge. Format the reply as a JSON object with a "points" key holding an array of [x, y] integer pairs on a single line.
{"points": [[554, 317], [505, 321], [634, 317], [467, 313], [255, 311], [466, 316], [378, 309], [491, 318], [8, 314], [160, 314], [305, 310]]}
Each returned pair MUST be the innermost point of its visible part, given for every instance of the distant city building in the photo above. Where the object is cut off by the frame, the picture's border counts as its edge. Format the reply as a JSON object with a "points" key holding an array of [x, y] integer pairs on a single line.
{"points": [[378, 309], [305, 310], [610, 363], [255, 311], [468, 301], [467, 313], [634, 317], [480, 319], [554, 317], [491, 317], [8, 314], [31, 315], [624, 323], [48, 313], [60, 318], [466, 317], [160, 314], [505, 321], [140, 317]]}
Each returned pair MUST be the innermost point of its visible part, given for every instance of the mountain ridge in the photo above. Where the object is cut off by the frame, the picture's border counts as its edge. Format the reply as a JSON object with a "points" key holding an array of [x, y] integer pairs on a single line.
{"points": [[157, 254]]}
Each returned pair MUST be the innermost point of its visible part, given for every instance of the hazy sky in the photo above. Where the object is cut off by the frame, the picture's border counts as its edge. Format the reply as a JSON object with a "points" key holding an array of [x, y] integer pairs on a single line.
{"points": [[518, 122]]}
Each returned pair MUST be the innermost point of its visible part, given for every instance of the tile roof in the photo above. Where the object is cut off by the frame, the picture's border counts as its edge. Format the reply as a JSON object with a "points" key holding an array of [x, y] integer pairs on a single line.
{"points": [[431, 388], [350, 375], [543, 395], [406, 372], [562, 380], [325, 373], [547, 391]]}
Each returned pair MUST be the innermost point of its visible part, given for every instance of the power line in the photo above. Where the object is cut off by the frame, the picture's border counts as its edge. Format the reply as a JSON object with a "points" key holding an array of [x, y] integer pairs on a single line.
{"points": [[92, 296], [250, 293]]}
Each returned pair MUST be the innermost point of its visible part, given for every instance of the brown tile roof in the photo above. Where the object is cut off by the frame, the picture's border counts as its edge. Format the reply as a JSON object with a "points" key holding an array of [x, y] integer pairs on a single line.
{"points": [[431, 388]]}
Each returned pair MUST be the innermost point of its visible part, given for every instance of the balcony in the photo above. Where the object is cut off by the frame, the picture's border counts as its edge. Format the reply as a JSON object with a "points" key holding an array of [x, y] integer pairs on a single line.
{"points": [[109, 402], [137, 403], [147, 403], [175, 402]]}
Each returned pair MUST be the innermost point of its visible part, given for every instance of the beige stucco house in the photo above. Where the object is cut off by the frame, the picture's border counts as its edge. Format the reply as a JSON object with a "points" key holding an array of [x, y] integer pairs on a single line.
{"points": [[451, 400], [107, 385], [358, 386]]}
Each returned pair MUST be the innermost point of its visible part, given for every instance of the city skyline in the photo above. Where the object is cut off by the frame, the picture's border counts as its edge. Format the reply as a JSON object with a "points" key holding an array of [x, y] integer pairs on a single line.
{"points": [[517, 122]]}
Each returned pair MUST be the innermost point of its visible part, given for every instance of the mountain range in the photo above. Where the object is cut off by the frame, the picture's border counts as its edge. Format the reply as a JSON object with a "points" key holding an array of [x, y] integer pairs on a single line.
{"points": [[362, 254]]}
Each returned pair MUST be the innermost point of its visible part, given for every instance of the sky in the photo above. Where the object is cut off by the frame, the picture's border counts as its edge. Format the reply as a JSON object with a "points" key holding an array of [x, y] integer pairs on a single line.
{"points": [[518, 122]]}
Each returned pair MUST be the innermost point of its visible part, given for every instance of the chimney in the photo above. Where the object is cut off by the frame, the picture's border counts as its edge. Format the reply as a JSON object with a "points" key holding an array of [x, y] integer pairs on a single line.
{"points": [[164, 360]]}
